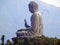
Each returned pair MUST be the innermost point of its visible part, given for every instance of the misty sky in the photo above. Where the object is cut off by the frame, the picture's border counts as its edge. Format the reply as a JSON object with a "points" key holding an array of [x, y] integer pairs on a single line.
{"points": [[52, 2], [13, 13]]}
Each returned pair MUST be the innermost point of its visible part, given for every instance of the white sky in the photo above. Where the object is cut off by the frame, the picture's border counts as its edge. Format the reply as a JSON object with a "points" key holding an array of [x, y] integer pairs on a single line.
{"points": [[52, 2]]}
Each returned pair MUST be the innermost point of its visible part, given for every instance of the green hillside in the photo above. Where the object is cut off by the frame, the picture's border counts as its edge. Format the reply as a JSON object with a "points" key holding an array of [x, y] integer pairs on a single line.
{"points": [[34, 41]]}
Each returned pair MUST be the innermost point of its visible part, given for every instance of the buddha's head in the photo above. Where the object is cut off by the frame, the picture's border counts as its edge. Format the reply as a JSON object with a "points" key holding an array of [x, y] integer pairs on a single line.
{"points": [[33, 7]]}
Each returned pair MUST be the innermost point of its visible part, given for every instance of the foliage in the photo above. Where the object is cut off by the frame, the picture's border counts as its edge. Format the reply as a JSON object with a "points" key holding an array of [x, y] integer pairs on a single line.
{"points": [[42, 40]]}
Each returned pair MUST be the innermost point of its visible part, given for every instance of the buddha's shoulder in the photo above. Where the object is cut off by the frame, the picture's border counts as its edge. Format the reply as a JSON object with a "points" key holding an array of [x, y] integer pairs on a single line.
{"points": [[37, 14]]}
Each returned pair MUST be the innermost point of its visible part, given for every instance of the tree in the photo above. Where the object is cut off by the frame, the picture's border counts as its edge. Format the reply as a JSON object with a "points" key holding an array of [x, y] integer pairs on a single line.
{"points": [[2, 39]]}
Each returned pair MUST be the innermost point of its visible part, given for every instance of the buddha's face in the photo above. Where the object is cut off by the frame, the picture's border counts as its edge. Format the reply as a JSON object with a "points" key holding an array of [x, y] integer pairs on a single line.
{"points": [[33, 7]]}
